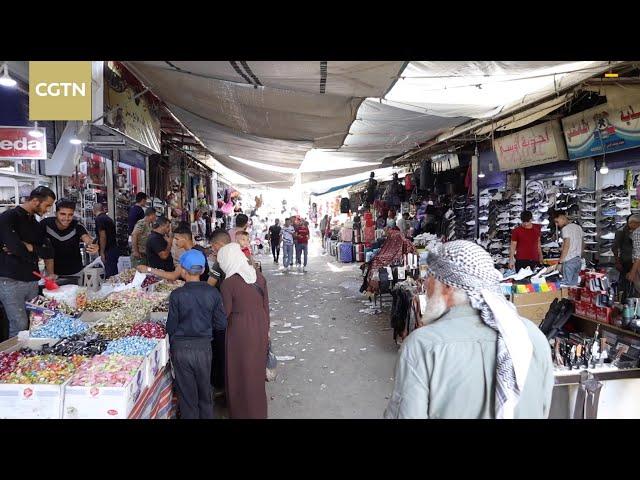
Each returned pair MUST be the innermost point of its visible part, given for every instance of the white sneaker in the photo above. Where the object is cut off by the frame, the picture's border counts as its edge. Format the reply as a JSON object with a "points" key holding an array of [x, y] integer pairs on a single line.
{"points": [[608, 236], [623, 213], [607, 254], [551, 245], [589, 209], [304, 269], [589, 225]]}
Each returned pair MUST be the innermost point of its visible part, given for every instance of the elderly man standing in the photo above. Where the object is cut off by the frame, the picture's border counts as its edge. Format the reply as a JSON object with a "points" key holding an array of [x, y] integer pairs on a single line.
{"points": [[475, 357], [623, 251]]}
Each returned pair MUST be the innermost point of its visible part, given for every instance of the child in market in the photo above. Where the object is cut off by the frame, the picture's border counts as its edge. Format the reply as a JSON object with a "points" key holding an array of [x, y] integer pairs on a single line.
{"points": [[195, 311], [243, 239]]}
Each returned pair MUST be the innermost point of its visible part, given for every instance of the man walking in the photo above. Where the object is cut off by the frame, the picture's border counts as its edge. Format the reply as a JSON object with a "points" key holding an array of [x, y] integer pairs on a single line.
{"points": [[23, 241], [275, 237], [137, 211], [288, 234], [475, 357], [302, 245], [571, 255]]}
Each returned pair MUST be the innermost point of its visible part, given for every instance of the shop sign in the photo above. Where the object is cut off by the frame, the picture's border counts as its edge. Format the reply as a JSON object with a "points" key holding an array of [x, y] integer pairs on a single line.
{"points": [[18, 143], [605, 128], [536, 145], [135, 118], [60, 90]]}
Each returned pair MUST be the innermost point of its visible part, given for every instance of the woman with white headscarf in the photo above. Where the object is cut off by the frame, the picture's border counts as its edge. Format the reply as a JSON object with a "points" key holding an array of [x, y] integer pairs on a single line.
{"points": [[246, 303]]}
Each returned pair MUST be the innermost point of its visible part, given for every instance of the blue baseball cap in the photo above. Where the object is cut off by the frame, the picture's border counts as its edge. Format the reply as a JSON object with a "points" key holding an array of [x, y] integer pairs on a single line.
{"points": [[193, 260]]}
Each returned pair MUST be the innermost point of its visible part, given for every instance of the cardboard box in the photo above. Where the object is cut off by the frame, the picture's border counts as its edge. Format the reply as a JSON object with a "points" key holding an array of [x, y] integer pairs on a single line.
{"points": [[535, 306], [103, 402], [31, 400], [151, 365], [574, 293]]}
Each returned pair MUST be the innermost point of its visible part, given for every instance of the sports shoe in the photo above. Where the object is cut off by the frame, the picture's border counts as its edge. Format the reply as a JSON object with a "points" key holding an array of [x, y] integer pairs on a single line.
{"points": [[608, 253], [590, 234], [551, 245], [609, 213], [623, 204], [587, 217], [586, 250], [304, 269], [545, 222], [587, 200], [587, 208], [516, 196], [608, 236], [471, 222], [484, 229], [624, 213], [590, 242], [589, 225], [483, 218]]}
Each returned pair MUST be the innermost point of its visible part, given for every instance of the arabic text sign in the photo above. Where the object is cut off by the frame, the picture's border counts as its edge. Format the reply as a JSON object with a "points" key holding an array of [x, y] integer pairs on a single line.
{"points": [[606, 128], [19, 143], [539, 144]]}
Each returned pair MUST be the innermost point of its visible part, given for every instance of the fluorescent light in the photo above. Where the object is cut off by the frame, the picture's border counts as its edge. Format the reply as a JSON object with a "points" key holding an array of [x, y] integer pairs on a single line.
{"points": [[569, 178], [34, 132], [481, 175], [75, 141], [5, 79]]}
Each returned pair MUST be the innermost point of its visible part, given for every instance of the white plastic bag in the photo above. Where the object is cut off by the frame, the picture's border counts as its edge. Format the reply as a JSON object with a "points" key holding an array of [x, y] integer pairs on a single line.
{"points": [[66, 294]]}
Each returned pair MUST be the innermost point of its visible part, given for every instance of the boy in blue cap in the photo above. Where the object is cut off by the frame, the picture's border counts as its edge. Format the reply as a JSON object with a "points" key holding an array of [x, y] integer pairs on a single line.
{"points": [[195, 311]]}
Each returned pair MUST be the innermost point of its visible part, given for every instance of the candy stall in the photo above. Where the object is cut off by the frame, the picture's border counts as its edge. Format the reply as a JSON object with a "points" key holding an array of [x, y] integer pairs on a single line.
{"points": [[92, 353]]}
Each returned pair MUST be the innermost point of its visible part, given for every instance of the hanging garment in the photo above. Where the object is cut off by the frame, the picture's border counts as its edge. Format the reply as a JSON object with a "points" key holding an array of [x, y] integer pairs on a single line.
{"points": [[344, 205], [408, 182], [426, 176]]}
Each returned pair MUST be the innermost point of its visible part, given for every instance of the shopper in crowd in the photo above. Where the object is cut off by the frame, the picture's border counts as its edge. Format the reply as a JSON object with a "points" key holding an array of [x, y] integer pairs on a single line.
{"points": [[23, 241], [634, 274], [571, 255], [275, 237], [288, 238], [183, 237], [195, 312], [242, 238], [159, 246], [475, 357], [526, 249], [623, 252], [403, 224], [65, 235], [242, 221], [302, 245], [246, 302], [137, 211], [323, 227], [106, 233], [140, 236]]}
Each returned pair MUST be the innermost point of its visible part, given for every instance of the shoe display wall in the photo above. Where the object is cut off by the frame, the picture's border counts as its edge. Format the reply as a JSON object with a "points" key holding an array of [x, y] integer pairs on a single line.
{"points": [[613, 209]]}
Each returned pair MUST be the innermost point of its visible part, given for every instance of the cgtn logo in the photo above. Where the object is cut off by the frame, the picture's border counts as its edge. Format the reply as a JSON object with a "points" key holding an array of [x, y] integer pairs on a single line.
{"points": [[64, 89], [23, 143]]}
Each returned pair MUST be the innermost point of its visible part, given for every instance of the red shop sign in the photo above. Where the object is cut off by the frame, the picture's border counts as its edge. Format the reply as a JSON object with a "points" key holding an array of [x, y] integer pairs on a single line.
{"points": [[23, 142]]}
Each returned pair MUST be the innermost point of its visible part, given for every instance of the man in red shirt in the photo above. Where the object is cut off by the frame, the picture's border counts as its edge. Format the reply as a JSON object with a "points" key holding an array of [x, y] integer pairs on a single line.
{"points": [[526, 250], [302, 244]]}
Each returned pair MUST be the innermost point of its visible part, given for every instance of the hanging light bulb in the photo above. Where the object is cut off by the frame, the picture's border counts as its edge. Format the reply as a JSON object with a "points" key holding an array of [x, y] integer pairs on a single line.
{"points": [[5, 79], [34, 132], [75, 139], [603, 168], [481, 173]]}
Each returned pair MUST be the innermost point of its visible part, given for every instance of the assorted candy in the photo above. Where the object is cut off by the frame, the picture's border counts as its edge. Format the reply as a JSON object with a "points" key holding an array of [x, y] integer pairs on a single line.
{"points": [[126, 276], [103, 305], [148, 330], [88, 345], [8, 362], [131, 346], [111, 331], [149, 280], [52, 304], [60, 326], [169, 287], [43, 369], [162, 306], [106, 371]]}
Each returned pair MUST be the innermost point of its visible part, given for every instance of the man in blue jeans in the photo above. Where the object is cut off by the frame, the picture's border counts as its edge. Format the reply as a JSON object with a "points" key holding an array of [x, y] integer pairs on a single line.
{"points": [[106, 233], [288, 234], [571, 255], [22, 241]]}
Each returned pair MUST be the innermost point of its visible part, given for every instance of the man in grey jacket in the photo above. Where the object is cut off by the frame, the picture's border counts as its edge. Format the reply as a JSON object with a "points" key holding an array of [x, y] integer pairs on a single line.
{"points": [[475, 357]]}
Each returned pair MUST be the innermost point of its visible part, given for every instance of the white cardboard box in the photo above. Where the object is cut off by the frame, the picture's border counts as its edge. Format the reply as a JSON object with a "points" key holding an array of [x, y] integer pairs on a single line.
{"points": [[103, 402], [31, 400], [151, 364]]}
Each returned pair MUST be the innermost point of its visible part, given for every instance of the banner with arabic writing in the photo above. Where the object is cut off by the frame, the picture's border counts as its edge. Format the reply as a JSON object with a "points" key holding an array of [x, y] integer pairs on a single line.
{"points": [[536, 145], [605, 128]]}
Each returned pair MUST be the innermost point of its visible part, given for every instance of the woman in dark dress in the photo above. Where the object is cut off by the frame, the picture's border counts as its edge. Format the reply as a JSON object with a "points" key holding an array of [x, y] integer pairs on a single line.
{"points": [[246, 303]]}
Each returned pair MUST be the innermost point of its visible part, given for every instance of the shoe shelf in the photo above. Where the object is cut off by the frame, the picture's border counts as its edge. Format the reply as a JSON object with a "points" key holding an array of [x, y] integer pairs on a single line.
{"points": [[608, 326]]}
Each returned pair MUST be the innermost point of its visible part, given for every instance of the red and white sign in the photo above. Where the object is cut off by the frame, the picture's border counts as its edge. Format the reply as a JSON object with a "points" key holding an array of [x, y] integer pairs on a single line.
{"points": [[18, 143]]}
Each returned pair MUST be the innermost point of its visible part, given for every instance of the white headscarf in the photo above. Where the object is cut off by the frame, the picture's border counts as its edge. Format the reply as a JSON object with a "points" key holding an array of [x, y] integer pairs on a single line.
{"points": [[232, 260]]}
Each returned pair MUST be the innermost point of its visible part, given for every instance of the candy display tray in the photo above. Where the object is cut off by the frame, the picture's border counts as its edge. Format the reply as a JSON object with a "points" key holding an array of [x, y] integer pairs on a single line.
{"points": [[103, 402]]}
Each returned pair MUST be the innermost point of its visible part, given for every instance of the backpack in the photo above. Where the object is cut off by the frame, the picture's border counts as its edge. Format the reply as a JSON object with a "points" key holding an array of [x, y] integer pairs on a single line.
{"points": [[558, 314]]}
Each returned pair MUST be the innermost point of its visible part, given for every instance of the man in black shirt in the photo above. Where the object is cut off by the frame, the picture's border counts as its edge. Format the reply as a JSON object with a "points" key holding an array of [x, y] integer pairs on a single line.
{"points": [[23, 241], [184, 240], [136, 212], [106, 231], [159, 247], [275, 239], [65, 235]]}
